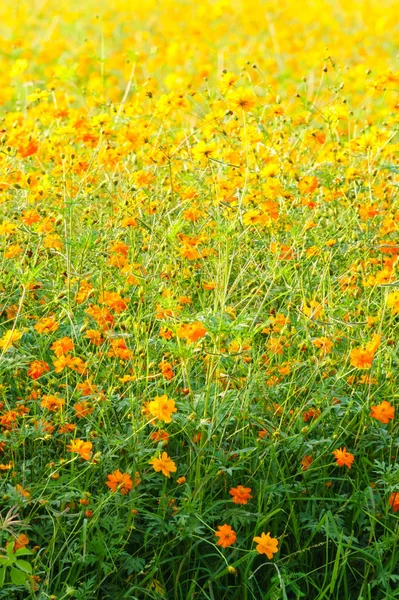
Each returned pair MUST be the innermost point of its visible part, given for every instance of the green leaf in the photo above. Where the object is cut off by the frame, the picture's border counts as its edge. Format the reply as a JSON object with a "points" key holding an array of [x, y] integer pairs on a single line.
{"points": [[10, 553], [17, 577], [23, 552], [2, 576], [24, 566]]}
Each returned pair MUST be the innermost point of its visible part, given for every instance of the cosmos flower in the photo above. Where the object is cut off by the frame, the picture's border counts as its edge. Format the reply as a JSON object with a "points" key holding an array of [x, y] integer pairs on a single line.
{"points": [[266, 545], [164, 464], [343, 458], [227, 536], [383, 412], [240, 494], [118, 481]]}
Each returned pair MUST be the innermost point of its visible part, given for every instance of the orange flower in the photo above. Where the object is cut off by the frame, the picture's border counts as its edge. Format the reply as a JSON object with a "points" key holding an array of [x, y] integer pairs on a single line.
{"points": [[160, 436], [81, 447], [66, 361], [164, 464], [119, 349], [94, 336], [37, 368], [52, 403], [240, 494], [166, 334], [227, 536], [324, 344], [67, 428], [383, 412], [22, 491], [312, 413], [192, 332], [21, 541], [343, 457], [166, 369], [47, 325], [362, 358], [162, 408], [266, 545], [121, 482], [306, 462], [83, 409], [62, 346], [29, 217], [394, 501], [114, 301], [31, 148]]}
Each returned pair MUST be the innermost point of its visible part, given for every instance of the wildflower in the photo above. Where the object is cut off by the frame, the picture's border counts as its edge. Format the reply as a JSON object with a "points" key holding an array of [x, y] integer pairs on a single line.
{"points": [[121, 482], [266, 545], [7, 228], [393, 302], [66, 361], [394, 501], [240, 494], [120, 349], [37, 368], [324, 344], [383, 412], [306, 462], [62, 346], [30, 217], [181, 480], [164, 464], [227, 536], [162, 408], [242, 98], [52, 403], [192, 332], [31, 148], [21, 541], [362, 357], [203, 150], [94, 336], [67, 428], [81, 447], [47, 325], [165, 333], [343, 458], [22, 491], [83, 409], [9, 338], [166, 369], [114, 301], [84, 291], [310, 414], [160, 436]]}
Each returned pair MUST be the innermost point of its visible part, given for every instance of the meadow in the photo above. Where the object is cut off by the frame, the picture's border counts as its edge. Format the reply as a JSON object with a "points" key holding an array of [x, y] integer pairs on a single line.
{"points": [[199, 300]]}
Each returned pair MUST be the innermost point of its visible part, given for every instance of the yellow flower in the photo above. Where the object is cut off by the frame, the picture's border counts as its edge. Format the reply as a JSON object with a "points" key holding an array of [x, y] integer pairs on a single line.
{"points": [[81, 447], [9, 338], [162, 408], [266, 545], [242, 99], [164, 464]]}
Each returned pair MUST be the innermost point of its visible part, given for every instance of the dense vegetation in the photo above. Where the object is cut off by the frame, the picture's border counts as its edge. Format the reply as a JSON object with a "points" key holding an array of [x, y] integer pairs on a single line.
{"points": [[199, 300]]}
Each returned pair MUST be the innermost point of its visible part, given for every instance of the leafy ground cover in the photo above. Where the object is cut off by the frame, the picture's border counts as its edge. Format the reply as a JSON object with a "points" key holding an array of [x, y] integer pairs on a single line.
{"points": [[199, 300]]}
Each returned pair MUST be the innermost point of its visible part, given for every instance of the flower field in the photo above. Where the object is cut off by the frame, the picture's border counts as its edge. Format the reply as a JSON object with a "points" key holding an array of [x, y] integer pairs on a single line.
{"points": [[199, 300]]}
